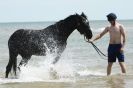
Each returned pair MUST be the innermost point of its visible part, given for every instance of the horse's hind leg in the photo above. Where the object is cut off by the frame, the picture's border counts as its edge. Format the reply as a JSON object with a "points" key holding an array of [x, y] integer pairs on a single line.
{"points": [[12, 63], [24, 61]]}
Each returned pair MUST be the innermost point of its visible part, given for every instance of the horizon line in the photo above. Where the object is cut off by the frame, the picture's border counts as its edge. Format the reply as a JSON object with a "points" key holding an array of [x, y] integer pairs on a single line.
{"points": [[57, 21]]}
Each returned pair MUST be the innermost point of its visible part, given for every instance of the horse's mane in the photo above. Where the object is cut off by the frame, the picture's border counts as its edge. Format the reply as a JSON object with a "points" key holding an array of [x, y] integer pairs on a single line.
{"points": [[70, 18], [67, 19], [68, 24]]}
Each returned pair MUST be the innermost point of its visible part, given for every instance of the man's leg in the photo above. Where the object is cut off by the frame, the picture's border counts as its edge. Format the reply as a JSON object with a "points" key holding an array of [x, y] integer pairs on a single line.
{"points": [[123, 67], [109, 67]]}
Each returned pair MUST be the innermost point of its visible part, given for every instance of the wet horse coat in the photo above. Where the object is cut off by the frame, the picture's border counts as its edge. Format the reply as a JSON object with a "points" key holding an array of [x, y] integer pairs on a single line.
{"points": [[26, 42]]}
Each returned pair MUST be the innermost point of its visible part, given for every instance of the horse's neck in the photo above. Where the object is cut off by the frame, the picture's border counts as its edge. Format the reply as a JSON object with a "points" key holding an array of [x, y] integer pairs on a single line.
{"points": [[61, 30], [64, 29]]}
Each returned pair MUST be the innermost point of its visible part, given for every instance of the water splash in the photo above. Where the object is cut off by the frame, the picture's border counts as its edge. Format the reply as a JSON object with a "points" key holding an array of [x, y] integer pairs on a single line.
{"points": [[91, 73]]}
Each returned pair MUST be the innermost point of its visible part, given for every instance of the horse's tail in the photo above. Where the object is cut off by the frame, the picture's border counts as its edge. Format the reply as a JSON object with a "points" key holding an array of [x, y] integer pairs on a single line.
{"points": [[12, 59], [11, 64], [14, 65]]}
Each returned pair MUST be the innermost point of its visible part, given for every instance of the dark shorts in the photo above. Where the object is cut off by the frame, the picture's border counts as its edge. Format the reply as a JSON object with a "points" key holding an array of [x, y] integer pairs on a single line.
{"points": [[114, 52]]}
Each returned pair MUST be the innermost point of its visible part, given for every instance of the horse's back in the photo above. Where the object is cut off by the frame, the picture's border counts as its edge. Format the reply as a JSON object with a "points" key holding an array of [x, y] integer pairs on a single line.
{"points": [[26, 42], [22, 35]]}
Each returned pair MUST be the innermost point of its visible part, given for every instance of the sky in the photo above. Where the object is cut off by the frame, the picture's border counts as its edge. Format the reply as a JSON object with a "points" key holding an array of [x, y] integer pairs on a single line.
{"points": [[54, 10]]}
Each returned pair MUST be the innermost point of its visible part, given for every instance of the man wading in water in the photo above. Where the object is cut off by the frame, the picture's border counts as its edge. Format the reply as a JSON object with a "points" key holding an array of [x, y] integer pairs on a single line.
{"points": [[116, 43]]}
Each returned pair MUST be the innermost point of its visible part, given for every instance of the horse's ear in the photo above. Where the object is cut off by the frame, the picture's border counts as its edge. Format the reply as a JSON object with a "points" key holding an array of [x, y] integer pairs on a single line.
{"points": [[83, 15], [76, 14]]}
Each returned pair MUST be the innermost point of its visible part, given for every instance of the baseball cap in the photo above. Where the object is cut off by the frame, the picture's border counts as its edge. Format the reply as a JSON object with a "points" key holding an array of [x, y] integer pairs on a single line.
{"points": [[111, 16]]}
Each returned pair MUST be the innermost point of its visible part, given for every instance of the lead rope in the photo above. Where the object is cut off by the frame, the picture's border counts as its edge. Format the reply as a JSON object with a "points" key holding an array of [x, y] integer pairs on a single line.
{"points": [[97, 49]]}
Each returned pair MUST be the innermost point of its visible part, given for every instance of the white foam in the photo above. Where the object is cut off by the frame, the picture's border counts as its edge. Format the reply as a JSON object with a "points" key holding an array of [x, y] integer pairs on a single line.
{"points": [[9, 80], [60, 73], [40, 69], [91, 73]]}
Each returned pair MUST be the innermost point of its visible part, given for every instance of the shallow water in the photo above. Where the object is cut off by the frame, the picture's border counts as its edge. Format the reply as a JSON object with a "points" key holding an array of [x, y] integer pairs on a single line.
{"points": [[115, 81], [79, 67]]}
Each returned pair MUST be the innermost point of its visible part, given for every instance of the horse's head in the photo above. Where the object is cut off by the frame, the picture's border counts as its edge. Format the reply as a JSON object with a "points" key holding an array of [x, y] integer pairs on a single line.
{"points": [[83, 26]]}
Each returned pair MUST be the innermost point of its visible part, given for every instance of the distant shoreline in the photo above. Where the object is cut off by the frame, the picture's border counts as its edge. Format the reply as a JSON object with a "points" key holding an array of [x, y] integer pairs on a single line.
{"points": [[56, 21]]}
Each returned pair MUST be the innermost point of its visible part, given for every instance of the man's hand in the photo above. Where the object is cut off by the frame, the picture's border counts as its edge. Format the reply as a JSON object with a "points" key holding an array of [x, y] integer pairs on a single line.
{"points": [[122, 50]]}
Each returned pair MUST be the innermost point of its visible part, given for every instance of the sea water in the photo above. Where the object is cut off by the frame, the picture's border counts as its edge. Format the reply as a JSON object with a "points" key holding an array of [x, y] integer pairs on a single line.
{"points": [[79, 66]]}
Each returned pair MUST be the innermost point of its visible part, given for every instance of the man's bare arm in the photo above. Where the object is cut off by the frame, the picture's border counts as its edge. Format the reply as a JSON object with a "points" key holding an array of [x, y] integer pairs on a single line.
{"points": [[101, 34], [123, 35]]}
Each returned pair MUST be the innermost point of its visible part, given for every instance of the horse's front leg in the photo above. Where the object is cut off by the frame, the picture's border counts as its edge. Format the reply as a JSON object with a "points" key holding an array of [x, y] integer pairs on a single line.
{"points": [[59, 52], [56, 59]]}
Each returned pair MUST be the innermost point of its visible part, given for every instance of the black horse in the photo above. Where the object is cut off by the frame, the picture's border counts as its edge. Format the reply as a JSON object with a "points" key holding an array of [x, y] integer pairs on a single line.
{"points": [[36, 42]]}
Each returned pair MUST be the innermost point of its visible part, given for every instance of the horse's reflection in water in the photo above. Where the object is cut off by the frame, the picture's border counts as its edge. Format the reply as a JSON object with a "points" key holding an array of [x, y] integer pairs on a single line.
{"points": [[35, 42]]}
